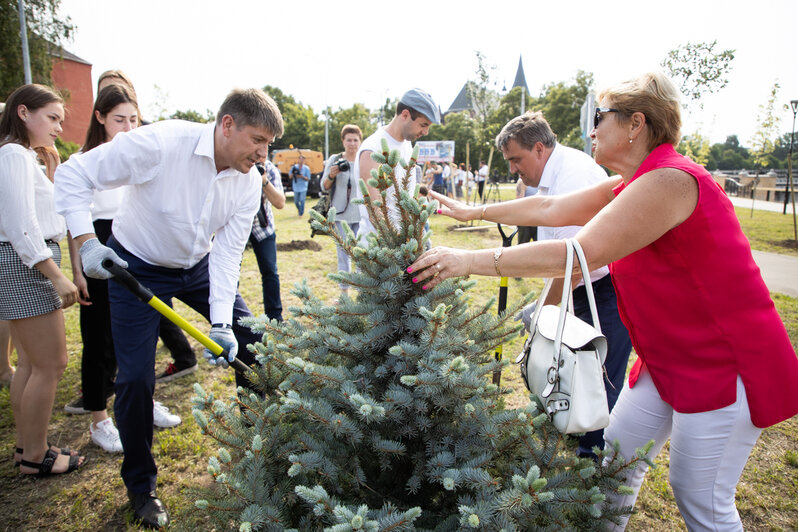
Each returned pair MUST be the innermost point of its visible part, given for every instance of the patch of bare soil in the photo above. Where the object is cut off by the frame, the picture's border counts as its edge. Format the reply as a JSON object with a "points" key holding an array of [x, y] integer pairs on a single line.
{"points": [[789, 244], [299, 245], [470, 228]]}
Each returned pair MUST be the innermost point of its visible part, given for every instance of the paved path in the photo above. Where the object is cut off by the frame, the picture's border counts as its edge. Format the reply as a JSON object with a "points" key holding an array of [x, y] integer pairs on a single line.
{"points": [[780, 272], [772, 206]]}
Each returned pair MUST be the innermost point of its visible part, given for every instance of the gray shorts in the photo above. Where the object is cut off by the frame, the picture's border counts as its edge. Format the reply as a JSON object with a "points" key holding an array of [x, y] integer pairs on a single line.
{"points": [[25, 292]]}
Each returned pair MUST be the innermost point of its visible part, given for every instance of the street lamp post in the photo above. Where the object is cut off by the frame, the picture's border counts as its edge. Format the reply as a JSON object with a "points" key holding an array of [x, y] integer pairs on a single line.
{"points": [[326, 132], [23, 33], [790, 180]]}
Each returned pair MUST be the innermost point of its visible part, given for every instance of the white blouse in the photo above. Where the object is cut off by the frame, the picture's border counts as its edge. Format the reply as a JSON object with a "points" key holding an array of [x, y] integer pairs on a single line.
{"points": [[175, 201], [27, 212]]}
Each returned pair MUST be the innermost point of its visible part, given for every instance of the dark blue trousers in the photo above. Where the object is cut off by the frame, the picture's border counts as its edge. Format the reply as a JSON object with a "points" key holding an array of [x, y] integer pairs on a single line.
{"points": [[135, 330], [618, 348], [266, 254]]}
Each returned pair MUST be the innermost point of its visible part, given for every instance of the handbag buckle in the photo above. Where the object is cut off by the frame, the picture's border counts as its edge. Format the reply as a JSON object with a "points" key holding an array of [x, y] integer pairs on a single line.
{"points": [[557, 405], [552, 375]]}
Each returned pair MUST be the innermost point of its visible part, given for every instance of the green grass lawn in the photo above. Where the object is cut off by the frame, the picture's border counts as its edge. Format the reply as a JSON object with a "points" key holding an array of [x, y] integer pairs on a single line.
{"points": [[769, 231], [94, 498]]}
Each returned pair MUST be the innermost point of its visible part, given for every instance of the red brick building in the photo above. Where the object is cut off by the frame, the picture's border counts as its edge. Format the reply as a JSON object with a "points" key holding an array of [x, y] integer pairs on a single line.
{"points": [[72, 75]]}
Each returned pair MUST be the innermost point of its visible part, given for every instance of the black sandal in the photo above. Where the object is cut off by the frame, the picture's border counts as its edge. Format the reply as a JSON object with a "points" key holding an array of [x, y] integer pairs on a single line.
{"points": [[46, 466], [66, 451]]}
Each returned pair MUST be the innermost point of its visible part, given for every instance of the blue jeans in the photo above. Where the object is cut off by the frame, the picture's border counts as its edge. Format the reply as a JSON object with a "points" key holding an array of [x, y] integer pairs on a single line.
{"points": [[135, 331], [299, 200], [266, 255], [619, 345]]}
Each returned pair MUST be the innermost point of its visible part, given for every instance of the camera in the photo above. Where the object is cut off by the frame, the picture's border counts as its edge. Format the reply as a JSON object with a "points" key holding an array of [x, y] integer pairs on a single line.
{"points": [[294, 171], [342, 164]]}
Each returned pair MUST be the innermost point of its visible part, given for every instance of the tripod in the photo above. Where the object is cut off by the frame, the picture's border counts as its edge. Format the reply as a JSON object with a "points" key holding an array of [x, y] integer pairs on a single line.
{"points": [[492, 192]]}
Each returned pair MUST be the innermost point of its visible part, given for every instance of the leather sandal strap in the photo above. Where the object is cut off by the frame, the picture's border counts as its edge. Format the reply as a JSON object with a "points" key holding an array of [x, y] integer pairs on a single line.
{"points": [[73, 462], [46, 465], [66, 451]]}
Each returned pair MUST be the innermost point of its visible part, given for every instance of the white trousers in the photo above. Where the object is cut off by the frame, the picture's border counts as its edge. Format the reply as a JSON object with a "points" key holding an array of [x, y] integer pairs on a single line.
{"points": [[343, 258], [708, 452]]}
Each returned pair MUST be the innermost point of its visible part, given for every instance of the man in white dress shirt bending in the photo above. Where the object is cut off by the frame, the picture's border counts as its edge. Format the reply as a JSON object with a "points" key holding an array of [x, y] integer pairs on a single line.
{"points": [[192, 193]]}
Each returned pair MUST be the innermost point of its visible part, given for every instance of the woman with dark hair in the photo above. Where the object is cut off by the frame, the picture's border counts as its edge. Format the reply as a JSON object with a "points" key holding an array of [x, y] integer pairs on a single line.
{"points": [[33, 290], [115, 111], [715, 362]]}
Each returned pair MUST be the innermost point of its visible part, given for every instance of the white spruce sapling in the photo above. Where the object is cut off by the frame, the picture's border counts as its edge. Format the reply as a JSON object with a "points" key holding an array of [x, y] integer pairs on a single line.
{"points": [[378, 412]]}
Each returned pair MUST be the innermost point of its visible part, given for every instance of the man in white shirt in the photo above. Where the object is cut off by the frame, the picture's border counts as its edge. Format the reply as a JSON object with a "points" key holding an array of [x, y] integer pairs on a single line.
{"points": [[531, 148], [482, 176], [525, 233], [447, 179], [193, 191], [415, 113]]}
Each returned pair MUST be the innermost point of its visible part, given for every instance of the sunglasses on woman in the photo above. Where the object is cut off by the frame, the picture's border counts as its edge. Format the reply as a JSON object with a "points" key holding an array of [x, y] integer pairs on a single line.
{"points": [[600, 112]]}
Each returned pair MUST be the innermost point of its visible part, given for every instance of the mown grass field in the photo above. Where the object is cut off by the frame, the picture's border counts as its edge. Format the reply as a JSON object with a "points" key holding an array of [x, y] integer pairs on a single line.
{"points": [[94, 498]]}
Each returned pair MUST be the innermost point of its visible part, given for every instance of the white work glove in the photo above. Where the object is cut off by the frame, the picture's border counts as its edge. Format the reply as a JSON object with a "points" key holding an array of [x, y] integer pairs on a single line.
{"points": [[222, 335], [525, 316], [92, 255]]}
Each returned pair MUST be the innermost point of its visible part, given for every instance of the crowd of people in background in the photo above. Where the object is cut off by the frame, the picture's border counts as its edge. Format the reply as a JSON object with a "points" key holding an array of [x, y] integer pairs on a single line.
{"points": [[152, 199]]}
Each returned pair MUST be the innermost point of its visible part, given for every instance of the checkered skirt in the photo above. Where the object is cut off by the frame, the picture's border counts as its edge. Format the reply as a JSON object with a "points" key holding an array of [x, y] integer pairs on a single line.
{"points": [[25, 292]]}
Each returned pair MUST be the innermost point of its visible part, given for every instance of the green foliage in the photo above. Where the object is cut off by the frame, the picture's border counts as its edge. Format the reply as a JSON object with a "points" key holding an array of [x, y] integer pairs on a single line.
{"points": [[729, 155], [561, 104], [781, 151], [463, 129], [65, 148], [45, 31], [378, 412], [484, 98], [697, 69], [696, 147], [194, 116], [482, 93], [385, 113], [303, 128], [359, 115], [509, 108], [762, 144]]}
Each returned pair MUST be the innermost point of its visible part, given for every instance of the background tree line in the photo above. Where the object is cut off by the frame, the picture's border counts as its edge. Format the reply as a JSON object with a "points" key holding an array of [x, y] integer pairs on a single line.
{"points": [[697, 68]]}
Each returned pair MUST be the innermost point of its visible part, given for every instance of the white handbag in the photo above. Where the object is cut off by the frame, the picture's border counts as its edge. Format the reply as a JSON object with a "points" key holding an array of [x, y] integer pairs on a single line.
{"points": [[563, 358]]}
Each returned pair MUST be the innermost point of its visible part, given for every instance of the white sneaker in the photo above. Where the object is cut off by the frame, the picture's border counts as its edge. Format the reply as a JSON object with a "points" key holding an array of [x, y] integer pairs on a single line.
{"points": [[106, 436], [162, 418]]}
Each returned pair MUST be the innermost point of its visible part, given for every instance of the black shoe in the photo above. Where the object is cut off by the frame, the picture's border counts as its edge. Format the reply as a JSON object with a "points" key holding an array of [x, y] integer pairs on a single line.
{"points": [[148, 509], [76, 406], [173, 372]]}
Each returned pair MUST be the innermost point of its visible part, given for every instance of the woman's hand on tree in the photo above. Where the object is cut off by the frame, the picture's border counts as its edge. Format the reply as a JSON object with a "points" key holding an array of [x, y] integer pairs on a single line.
{"points": [[453, 208], [440, 263]]}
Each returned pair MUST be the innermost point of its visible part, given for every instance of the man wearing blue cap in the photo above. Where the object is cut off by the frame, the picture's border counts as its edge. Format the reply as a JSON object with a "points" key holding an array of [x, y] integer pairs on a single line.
{"points": [[415, 113]]}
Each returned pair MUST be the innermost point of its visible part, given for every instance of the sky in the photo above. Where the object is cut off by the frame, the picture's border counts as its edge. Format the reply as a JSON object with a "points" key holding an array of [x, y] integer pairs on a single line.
{"points": [[188, 55]]}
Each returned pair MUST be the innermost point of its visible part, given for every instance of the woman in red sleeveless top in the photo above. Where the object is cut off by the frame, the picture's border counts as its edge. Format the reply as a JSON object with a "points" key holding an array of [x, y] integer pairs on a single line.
{"points": [[715, 362]]}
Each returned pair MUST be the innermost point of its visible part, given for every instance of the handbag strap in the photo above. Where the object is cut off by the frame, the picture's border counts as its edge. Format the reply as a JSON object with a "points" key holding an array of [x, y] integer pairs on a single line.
{"points": [[588, 283], [572, 245], [552, 375]]}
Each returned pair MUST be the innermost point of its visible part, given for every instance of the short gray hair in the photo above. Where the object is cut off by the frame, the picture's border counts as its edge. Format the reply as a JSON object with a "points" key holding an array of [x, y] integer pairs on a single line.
{"points": [[252, 107], [527, 130]]}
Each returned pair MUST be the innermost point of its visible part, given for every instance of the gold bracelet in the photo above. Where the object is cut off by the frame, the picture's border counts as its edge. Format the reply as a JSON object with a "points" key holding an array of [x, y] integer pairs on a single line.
{"points": [[482, 216], [497, 254]]}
